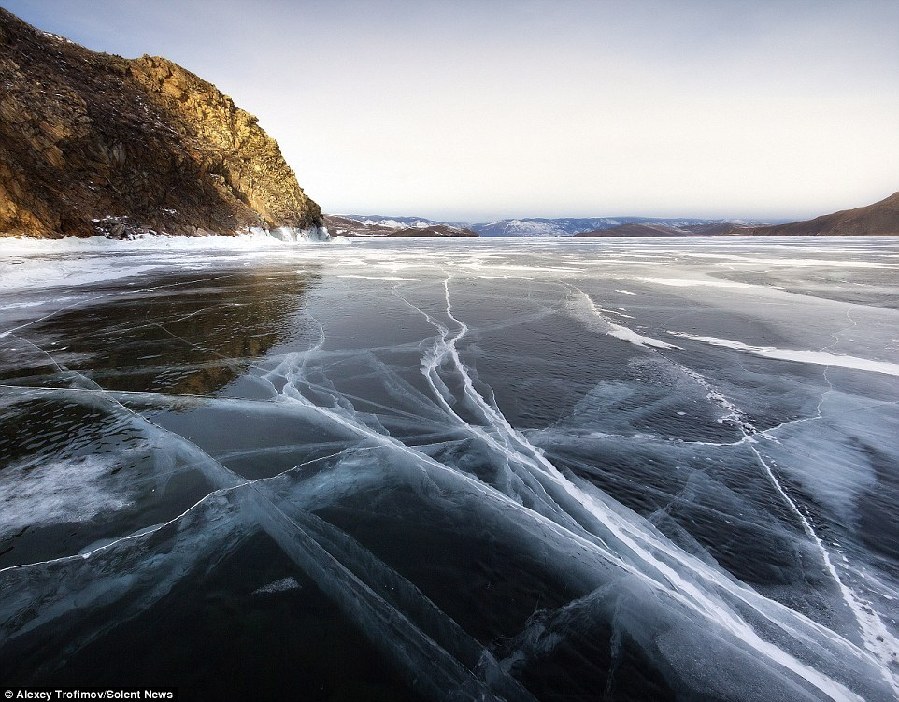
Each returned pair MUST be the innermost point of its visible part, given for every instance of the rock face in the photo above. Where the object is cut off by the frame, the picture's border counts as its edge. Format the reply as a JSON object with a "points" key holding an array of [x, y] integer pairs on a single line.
{"points": [[92, 143], [879, 219]]}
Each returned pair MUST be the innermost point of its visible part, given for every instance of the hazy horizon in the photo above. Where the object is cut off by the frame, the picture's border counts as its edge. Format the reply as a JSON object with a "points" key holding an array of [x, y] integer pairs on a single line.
{"points": [[478, 111], [488, 220]]}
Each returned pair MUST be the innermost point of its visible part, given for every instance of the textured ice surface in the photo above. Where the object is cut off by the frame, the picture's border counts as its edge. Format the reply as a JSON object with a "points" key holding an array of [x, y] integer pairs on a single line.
{"points": [[439, 469], [54, 491]]}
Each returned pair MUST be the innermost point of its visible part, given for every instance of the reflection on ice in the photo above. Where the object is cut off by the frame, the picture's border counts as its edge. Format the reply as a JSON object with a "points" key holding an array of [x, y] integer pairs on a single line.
{"points": [[441, 454]]}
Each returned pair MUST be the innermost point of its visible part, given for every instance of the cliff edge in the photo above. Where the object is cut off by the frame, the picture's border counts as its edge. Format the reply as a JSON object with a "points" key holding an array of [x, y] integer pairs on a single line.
{"points": [[92, 143]]}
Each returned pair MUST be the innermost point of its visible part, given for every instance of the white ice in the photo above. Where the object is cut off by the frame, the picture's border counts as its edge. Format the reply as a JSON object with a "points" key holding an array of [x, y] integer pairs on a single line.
{"points": [[818, 358], [59, 491]]}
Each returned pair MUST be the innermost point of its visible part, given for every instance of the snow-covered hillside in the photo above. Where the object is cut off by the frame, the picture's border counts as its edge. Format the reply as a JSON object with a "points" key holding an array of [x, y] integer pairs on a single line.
{"points": [[385, 225], [567, 226]]}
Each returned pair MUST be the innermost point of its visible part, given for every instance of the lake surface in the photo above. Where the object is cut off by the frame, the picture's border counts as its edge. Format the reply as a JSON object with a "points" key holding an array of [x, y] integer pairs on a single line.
{"points": [[452, 469]]}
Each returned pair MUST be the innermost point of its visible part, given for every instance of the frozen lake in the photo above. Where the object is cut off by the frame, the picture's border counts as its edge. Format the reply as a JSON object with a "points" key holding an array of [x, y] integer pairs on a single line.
{"points": [[452, 469]]}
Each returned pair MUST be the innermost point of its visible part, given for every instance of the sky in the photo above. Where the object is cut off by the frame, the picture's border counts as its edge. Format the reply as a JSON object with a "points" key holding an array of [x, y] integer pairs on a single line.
{"points": [[476, 110]]}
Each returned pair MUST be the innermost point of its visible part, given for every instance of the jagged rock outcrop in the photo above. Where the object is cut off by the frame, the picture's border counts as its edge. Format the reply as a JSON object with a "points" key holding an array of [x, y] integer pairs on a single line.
{"points": [[92, 143]]}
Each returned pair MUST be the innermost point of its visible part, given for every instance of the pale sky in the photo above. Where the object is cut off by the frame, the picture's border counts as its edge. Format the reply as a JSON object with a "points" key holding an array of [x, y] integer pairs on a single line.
{"points": [[481, 109]]}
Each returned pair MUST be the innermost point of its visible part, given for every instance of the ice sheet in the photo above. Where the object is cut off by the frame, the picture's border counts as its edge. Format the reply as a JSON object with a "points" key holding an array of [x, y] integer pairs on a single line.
{"points": [[444, 448]]}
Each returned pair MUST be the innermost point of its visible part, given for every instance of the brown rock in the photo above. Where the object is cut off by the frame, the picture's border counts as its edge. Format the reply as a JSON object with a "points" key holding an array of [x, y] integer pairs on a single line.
{"points": [[91, 140], [879, 219]]}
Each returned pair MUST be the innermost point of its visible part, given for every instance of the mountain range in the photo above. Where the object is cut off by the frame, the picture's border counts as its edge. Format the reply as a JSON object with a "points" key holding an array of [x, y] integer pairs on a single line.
{"points": [[568, 226], [391, 225], [708, 228], [382, 226], [879, 219]]}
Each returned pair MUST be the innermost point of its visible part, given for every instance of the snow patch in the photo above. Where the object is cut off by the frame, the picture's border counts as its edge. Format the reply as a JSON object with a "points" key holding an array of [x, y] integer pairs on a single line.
{"points": [[617, 331], [57, 492], [818, 358], [282, 585], [697, 283], [629, 335]]}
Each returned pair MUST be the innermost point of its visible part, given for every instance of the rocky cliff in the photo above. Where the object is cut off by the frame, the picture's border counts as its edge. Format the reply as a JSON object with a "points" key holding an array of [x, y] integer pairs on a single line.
{"points": [[92, 143]]}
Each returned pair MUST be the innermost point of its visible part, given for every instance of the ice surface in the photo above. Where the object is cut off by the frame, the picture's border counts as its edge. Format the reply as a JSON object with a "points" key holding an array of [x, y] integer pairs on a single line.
{"points": [[58, 492], [72, 262], [613, 329], [477, 458], [819, 358]]}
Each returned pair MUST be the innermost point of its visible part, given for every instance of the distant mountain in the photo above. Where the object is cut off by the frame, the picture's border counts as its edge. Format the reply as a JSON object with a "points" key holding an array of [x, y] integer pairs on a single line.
{"points": [[879, 219], [724, 228], [382, 226], [634, 229], [566, 226], [541, 227], [92, 143], [433, 230], [392, 222]]}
